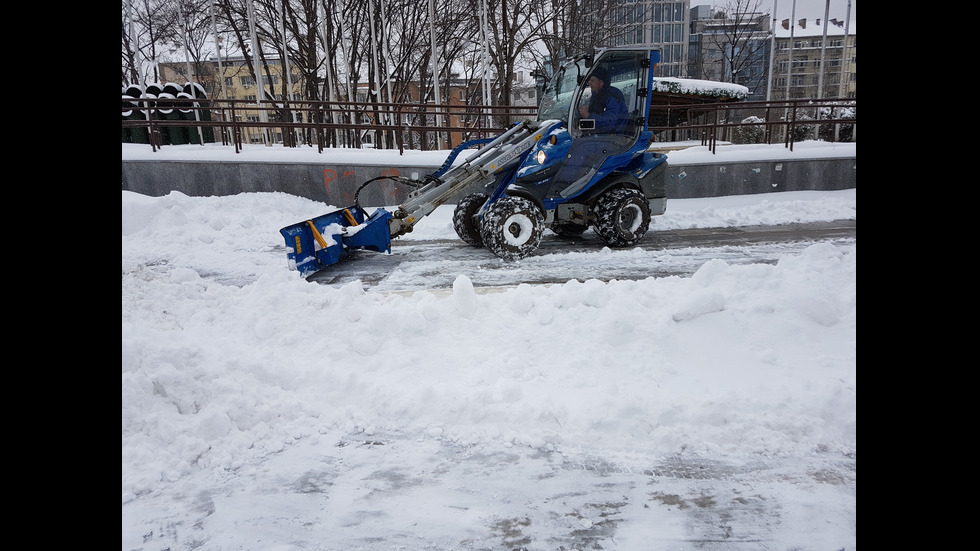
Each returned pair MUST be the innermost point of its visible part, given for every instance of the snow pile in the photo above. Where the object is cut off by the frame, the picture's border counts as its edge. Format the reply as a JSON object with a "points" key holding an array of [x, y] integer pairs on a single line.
{"points": [[230, 362]]}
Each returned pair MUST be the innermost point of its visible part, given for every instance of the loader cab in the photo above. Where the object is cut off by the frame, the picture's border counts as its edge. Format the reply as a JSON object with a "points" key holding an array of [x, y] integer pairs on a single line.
{"points": [[629, 71], [598, 146]]}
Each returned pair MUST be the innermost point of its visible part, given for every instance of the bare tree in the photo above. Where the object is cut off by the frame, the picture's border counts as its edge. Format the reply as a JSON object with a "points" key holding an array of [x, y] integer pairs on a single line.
{"points": [[300, 22], [154, 34], [334, 46], [740, 36], [515, 26], [190, 36]]}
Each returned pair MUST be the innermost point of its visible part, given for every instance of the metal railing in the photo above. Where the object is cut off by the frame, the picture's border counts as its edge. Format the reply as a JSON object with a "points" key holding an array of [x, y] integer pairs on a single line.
{"points": [[425, 126], [769, 122], [321, 123]]}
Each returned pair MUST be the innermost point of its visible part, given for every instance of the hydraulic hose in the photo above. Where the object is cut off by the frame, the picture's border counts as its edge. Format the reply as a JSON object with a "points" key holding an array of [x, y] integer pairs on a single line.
{"points": [[456, 151]]}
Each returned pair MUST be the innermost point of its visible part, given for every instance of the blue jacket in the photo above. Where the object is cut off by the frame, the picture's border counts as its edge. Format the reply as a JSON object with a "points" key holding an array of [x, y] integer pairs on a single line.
{"points": [[608, 108]]}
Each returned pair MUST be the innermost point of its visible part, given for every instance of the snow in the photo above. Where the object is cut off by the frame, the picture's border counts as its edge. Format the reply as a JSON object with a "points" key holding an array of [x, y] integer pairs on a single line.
{"points": [[262, 411], [676, 85]]}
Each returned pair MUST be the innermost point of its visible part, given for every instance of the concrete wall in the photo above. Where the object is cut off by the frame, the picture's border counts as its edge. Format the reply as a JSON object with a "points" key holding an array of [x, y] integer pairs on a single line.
{"points": [[332, 184], [742, 178], [336, 184]]}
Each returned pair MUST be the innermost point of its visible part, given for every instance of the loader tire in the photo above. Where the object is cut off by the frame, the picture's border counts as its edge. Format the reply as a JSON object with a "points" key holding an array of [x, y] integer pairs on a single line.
{"points": [[622, 217], [512, 227], [466, 226]]}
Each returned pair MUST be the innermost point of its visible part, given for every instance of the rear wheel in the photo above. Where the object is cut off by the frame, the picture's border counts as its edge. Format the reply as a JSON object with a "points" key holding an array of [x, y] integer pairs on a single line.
{"points": [[464, 222], [512, 227], [622, 217]]}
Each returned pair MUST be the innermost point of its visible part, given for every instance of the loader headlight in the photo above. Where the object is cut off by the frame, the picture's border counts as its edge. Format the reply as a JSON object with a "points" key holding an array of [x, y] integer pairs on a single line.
{"points": [[540, 157]]}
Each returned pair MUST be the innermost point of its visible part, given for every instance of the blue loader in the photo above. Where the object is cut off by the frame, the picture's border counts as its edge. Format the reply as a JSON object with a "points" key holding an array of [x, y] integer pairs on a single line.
{"points": [[583, 162]]}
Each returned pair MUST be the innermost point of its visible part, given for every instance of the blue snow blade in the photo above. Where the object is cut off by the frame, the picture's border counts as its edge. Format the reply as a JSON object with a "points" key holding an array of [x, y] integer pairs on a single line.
{"points": [[322, 241]]}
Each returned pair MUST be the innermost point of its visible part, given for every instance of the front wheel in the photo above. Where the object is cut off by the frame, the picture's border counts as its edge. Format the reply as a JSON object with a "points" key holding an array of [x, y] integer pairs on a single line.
{"points": [[512, 227], [622, 217], [464, 218]]}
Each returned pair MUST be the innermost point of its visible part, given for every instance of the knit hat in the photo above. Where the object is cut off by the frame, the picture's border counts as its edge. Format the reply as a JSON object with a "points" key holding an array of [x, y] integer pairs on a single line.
{"points": [[601, 73]]}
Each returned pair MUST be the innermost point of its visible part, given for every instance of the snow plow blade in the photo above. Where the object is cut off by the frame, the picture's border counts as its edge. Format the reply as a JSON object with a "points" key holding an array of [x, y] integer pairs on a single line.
{"points": [[322, 241]]}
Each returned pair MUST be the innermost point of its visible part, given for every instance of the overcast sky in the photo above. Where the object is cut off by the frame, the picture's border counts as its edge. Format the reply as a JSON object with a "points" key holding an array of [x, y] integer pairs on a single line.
{"points": [[804, 8]]}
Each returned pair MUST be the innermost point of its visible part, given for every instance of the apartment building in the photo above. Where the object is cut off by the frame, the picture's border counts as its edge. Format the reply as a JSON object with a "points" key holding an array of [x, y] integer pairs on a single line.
{"points": [[803, 62], [694, 44], [660, 24], [712, 40]]}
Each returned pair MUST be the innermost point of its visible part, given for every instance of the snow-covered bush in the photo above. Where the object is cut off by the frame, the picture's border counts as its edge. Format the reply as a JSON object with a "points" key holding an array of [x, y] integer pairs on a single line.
{"points": [[750, 131], [837, 132]]}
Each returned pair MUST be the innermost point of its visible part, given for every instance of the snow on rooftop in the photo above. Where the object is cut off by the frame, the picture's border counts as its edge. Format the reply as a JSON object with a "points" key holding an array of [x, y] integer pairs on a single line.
{"points": [[676, 85], [814, 27]]}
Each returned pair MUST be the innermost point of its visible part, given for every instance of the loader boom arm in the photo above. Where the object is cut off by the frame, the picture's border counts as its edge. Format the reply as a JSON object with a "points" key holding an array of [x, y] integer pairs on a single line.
{"points": [[480, 168]]}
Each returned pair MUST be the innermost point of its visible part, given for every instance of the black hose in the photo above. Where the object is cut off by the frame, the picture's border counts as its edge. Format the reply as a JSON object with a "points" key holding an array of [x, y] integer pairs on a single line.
{"points": [[429, 178], [397, 179]]}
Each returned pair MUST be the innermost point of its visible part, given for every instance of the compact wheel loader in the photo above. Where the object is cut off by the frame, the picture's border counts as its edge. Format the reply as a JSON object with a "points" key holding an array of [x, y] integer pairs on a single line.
{"points": [[560, 171]]}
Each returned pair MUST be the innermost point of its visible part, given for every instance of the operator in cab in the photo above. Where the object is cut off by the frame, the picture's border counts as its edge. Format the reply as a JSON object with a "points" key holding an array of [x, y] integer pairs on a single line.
{"points": [[607, 108], [607, 105]]}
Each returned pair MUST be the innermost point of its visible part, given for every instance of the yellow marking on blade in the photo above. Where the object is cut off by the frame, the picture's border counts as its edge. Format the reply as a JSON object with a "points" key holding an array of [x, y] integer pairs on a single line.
{"points": [[317, 236], [299, 248], [350, 217]]}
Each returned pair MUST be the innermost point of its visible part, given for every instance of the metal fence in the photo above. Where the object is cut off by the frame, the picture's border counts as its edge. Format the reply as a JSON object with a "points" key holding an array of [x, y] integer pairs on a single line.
{"points": [[425, 126], [785, 121]]}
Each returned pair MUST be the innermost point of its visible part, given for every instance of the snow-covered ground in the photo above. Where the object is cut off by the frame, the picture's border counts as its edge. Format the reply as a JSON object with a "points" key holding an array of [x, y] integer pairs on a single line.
{"points": [[264, 412]]}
